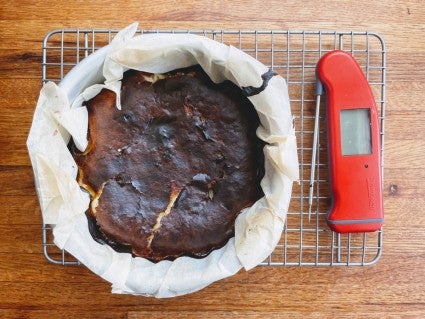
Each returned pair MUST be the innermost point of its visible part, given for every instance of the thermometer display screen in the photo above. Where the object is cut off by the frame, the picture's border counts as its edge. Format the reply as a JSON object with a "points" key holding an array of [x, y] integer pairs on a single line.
{"points": [[356, 132]]}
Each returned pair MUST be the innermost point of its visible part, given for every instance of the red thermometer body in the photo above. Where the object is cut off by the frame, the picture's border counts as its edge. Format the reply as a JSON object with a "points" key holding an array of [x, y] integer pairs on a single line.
{"points": [[354, 145]]}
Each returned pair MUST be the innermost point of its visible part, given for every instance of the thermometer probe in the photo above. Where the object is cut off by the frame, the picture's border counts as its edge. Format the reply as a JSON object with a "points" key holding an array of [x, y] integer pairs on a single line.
{"points": [[353, 145]]}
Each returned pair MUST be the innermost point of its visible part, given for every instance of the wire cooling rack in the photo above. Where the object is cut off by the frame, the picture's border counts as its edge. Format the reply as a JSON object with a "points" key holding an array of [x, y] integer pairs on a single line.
{"points": [[292, 54]]}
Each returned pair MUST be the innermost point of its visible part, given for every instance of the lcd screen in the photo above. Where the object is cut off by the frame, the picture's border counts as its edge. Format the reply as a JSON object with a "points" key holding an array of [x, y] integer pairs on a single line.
{"points": [[356, 132]]}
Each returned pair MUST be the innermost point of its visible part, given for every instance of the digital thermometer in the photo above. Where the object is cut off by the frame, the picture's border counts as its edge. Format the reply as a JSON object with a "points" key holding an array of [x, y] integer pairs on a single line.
{"points": [[353, 145]]}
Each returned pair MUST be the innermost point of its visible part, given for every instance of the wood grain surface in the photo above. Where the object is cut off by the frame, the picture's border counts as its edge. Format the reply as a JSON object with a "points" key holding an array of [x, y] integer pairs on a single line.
{"points": [[31, 287]]}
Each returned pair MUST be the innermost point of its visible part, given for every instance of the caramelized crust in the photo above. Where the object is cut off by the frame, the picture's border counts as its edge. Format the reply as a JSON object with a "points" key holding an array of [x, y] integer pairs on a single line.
{"points": [[169, 173]]}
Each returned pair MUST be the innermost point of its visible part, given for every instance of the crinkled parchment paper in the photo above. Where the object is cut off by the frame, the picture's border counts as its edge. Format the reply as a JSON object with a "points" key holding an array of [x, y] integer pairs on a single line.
{"points": [[60, 115]]}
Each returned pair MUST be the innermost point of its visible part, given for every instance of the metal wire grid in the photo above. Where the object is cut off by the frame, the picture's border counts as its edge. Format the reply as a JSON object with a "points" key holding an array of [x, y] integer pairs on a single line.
{"points": [[292, 54]]}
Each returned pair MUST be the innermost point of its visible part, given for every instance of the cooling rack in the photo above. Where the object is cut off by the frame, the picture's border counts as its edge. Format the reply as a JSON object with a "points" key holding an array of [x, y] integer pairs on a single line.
{"points": [[292, 54]]}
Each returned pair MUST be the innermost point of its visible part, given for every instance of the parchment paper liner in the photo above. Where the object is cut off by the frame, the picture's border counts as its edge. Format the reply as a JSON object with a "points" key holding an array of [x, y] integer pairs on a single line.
{"points": [[59, 115]]}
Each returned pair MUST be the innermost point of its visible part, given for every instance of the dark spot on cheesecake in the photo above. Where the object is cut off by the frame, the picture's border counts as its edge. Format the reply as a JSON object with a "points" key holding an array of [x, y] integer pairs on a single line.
{"points": [[252, 90]]}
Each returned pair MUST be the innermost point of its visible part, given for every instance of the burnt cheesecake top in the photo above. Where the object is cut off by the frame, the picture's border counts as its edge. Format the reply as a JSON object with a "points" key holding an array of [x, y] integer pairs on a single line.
{"points": [[169, 172]]}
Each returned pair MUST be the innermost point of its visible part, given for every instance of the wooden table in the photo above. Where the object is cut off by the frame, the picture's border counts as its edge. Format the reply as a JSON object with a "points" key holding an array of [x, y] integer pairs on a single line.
{"points": [[31, 287]]}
